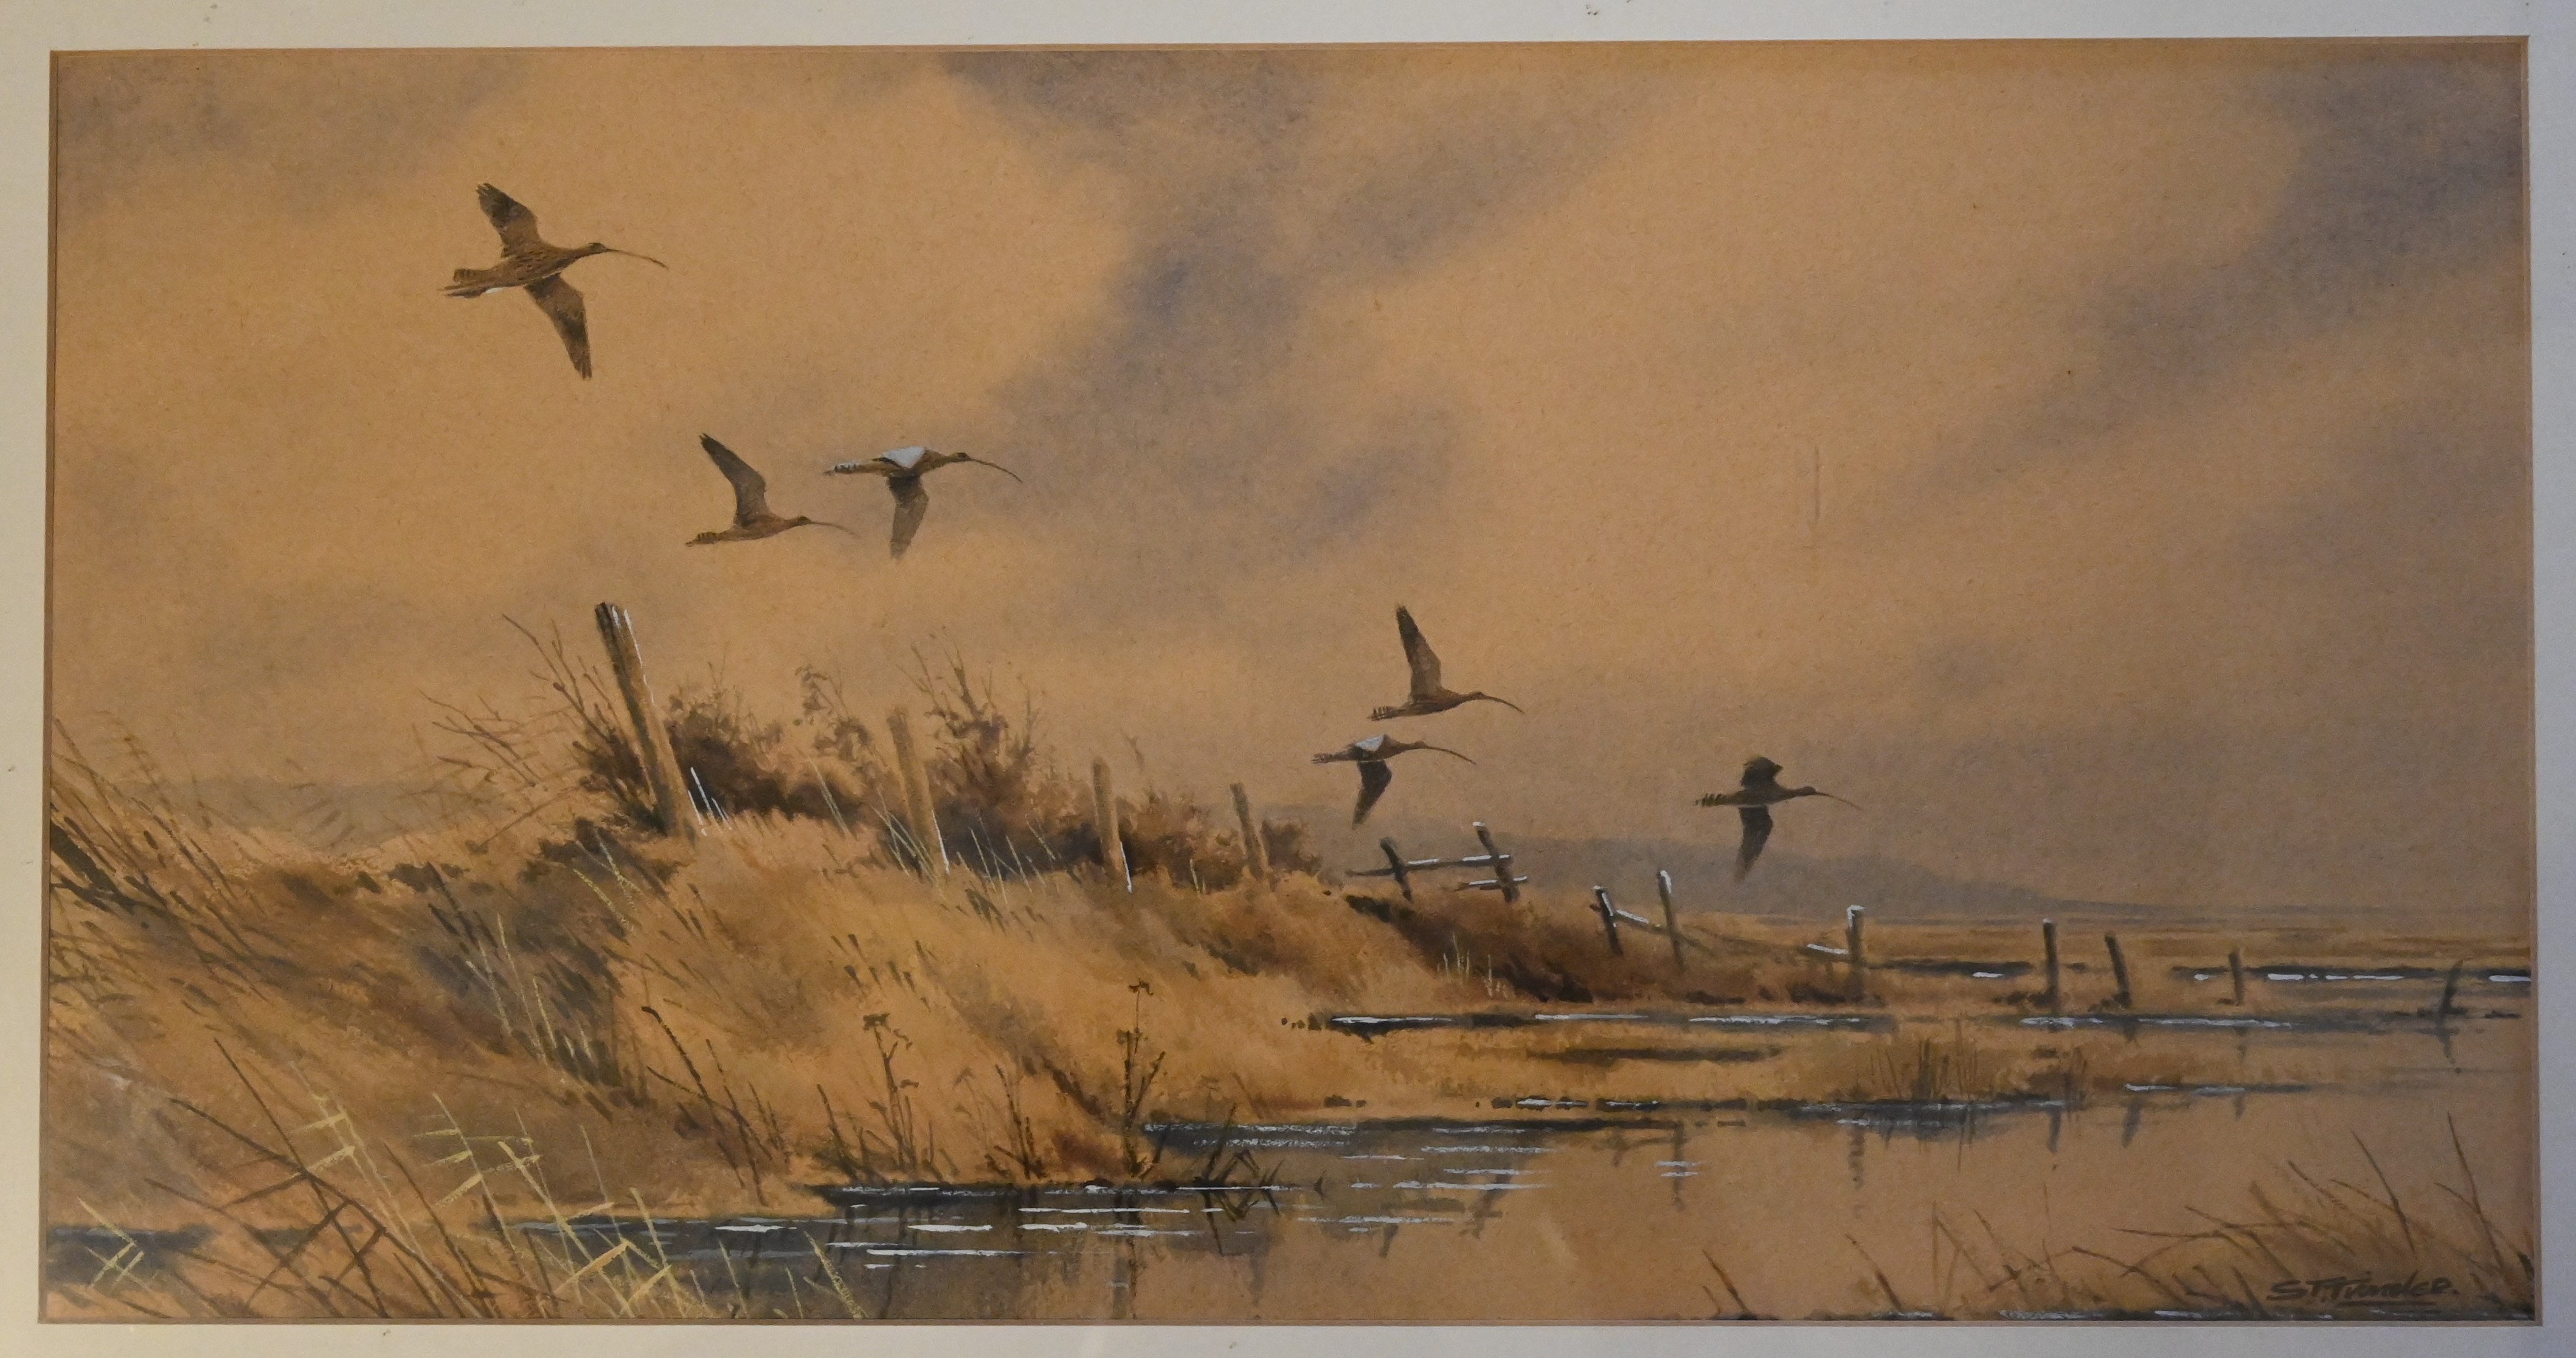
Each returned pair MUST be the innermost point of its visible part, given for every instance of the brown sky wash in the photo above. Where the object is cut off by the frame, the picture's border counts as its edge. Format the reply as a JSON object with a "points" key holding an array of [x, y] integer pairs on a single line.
{"points": [[2106, 464]]}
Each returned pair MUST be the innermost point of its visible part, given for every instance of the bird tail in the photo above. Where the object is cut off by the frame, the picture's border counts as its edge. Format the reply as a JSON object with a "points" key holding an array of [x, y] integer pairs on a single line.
{"points": [[1333, 758], [470, 283], [1385, 713]]}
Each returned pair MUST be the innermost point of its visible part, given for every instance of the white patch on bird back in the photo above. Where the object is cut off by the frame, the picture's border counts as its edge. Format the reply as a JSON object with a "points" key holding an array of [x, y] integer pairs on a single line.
{"points": [[905, 457], [1369, 744]]}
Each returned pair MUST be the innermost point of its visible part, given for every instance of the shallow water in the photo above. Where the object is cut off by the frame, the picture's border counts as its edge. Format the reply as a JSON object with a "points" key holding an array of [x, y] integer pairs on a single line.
{"points": [[1544, 1209], [1614, 1213]]}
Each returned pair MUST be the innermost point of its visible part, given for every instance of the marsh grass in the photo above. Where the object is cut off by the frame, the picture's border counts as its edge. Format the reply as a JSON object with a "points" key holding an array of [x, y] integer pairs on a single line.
{"points": [[317, 1220], [2306, 1246]]}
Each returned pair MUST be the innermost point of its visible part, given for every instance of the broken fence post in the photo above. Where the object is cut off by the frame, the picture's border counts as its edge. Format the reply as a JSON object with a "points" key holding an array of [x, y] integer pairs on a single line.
{"points": [[1104, 805], [1609, 917], [918, 808], [2056, 994], [2236, 973], [2119, 971], [2450, 991], [1256, 855], [1852, 918], [661, 768], [1672, 926]]}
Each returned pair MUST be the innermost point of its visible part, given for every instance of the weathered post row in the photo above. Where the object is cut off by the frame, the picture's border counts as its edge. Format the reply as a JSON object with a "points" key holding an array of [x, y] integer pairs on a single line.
{"points": [[652, 738], [1672, 926], [1397, 868], [1503, 880], [2119, 971], [1104, 802], [1609, 917], [2048, 938], [1256, 855], [1852, 918]]}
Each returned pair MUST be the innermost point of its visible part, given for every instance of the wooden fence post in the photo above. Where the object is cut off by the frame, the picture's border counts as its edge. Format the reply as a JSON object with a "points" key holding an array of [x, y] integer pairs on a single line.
{"points": [[2056, 994], [918, 808], [2450, 991], [1256, 855], [2236, 973], [1104, 804], [1502, 863], [2119, 970], [1609, 917], [1852, 918], [671, 808], [1672, 926], [1397, 867]]}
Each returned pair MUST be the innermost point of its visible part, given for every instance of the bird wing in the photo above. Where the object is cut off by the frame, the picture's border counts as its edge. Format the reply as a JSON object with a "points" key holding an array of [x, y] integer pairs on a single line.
{"points": [[1757, 832], [750, 490], [510, 217], [911, 502], [1761, 773], [1374, 777], [561, 302], [1417, 655]]}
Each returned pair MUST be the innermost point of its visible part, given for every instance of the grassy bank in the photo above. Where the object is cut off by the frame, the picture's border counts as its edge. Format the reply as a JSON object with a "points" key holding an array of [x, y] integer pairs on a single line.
{"points": [[345, 1069]]}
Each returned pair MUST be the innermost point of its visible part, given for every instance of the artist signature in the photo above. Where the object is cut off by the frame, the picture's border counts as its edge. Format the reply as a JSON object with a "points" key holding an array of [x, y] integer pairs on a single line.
{"points": [[2408, 1291]]}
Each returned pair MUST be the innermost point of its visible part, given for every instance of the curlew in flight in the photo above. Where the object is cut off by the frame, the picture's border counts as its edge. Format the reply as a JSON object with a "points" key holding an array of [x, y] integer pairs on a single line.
{"points": [[527, 262], [1754, 801], [1371, 755], [903, 469], [1427, 696], [752, 520]]}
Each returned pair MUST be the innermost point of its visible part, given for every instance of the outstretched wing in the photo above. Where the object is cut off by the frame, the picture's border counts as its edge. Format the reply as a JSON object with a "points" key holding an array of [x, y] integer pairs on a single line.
{"points": [[510, 217], [750, 491], [911, 502], [562, 304], [1761, 773], [1417, 655], [1757, 832], [1374, 777]]}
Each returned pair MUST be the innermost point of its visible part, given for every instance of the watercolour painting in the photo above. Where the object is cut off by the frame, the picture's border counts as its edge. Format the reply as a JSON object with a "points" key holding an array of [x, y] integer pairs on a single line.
{"points": [[1691, 682]]}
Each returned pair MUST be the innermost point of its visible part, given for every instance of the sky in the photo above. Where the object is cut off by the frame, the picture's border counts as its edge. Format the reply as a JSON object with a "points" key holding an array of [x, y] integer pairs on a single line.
{"points": [[2106, 463]]}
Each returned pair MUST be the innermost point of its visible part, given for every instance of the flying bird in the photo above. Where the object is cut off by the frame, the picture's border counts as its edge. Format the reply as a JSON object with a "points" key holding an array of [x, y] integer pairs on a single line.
{"points": [[1371, 755], [1427, 696], [903, 469], [1753, 801], [752, 520], [528, 262]]}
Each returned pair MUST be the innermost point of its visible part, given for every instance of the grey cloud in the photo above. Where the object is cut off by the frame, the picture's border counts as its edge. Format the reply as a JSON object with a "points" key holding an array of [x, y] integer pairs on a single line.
{"points": [[2410, 160], [350, 117], [1245, 218]]}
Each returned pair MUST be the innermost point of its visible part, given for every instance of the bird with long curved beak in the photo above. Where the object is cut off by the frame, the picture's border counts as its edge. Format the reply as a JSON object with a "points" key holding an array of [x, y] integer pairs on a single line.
{"points": [[1371, 755], [903, 469], [529, 262], [752, 519], [1428, 695], [1753, 801]]}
